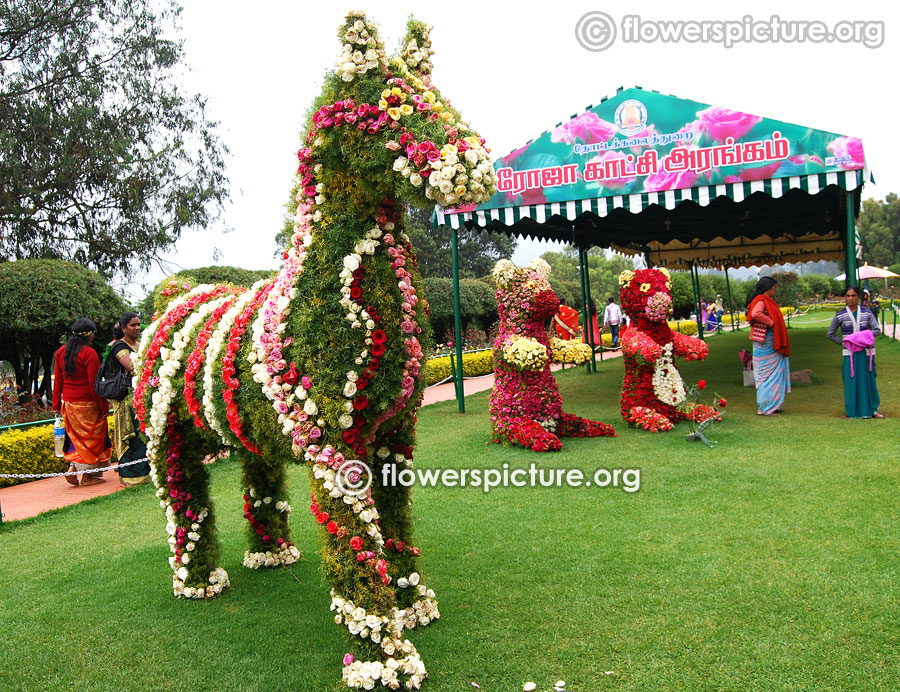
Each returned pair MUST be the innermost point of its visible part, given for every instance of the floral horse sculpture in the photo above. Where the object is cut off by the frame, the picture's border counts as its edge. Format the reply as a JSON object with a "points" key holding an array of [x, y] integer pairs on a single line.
{"points": [[653, 395], [323, 363], [526, 408]]}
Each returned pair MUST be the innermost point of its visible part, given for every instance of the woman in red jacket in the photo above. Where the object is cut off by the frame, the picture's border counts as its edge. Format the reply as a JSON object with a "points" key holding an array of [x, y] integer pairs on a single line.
{"points": [[87, 446]]}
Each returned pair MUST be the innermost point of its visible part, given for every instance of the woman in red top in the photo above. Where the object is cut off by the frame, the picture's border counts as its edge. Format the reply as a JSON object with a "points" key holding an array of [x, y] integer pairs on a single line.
{"points": [[87, 446]]}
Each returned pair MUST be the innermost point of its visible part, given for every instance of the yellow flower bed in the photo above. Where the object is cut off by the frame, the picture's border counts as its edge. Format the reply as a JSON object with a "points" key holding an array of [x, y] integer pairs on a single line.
{"points": [[569, 351], [474, 364], [28, 451]]}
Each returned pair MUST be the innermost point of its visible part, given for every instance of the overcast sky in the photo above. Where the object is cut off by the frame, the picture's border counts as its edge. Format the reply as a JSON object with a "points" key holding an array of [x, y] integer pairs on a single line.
{"points": [[514, 73]]}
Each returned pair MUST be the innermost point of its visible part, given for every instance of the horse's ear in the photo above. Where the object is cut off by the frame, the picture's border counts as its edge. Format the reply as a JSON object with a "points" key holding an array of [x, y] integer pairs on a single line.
{"points": [[361, 47], [415, 50], [503, 272]]}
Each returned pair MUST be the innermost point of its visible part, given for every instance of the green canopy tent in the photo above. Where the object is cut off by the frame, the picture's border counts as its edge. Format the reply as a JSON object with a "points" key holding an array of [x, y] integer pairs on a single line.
{"points": [[683, 183]]}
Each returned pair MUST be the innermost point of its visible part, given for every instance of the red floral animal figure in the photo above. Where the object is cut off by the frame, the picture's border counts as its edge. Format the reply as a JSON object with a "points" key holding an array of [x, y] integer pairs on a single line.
{"points": [[323, 364], [526, 408], [653, 394]]}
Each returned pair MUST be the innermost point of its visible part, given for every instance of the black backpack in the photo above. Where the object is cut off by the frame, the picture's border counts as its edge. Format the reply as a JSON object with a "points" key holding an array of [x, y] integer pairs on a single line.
{"points": [[112, 382]]}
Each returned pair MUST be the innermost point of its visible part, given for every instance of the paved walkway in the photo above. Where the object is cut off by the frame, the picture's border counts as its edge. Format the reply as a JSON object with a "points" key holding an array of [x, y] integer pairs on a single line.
{"points": [[30, 499]]}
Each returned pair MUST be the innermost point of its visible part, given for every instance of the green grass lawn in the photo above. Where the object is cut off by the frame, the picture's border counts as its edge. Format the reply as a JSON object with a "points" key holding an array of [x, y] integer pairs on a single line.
{"points": [[767, 563]]}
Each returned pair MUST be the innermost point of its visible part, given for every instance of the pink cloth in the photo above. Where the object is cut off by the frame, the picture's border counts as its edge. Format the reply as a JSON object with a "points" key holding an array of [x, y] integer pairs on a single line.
{"points": [[858, 341]]}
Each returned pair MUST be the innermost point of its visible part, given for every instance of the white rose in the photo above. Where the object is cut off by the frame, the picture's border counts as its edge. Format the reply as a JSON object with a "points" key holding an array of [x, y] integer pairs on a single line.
{"points": [[310, 407], [400, 163], [414, 578], [349, 389], [415, 179], [346, 420]]}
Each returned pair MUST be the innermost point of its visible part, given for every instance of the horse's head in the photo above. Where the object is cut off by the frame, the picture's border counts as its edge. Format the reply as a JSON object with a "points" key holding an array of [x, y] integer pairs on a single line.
{"points": [[380, 120], [523, 293]]}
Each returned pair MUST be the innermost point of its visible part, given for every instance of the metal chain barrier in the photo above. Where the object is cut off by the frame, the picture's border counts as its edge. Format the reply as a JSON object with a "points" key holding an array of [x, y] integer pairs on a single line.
{"points": [[71, 473]]}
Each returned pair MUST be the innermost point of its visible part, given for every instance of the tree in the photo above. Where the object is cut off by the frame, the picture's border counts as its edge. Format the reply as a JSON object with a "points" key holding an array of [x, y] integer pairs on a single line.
{"points": [[603, 273], [39, 301], [103, 159], [178, 284], [879, 230]]}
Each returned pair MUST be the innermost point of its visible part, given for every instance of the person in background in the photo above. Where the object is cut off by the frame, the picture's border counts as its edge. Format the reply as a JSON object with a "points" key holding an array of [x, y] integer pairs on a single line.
{"points": [[771, 348], [565, 322], [711, 320], [595, 330], [127, 442], [87, 446], [720, 310], [612, 318], [117, 334], [861, 398]]}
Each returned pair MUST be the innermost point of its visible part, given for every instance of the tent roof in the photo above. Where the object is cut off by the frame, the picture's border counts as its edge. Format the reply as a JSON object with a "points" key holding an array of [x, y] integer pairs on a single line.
{"points": [[679, 181]]}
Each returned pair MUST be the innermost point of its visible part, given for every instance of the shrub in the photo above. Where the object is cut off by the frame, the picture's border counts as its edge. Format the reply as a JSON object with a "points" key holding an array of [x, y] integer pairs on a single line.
{"points": [[474, 365], [28, 451]]}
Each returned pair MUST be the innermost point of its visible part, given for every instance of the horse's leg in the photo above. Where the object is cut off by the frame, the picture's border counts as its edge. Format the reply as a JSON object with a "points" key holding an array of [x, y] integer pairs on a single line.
{"points": [[182, 483], [267, 510], [393, 453]]}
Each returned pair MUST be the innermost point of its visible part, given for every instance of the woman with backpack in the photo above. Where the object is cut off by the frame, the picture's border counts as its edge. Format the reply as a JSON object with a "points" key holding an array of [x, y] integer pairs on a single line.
{"points": [[127, 441]]}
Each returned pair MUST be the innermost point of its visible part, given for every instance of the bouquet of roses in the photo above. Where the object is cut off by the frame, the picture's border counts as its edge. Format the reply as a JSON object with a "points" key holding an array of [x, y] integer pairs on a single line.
{"points": [[700, 415]]}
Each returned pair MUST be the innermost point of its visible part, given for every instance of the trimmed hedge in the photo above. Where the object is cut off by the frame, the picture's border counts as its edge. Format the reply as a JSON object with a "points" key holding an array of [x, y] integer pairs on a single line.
{"points": [[28, 451], [474, 365]]}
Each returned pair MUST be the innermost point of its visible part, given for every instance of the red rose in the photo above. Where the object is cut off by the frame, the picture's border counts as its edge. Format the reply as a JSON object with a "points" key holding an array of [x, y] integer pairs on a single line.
{"points": [[356, 543], [360, 402], [400, 546], [701, 384], [332, 527], [356, 293], [378, 336], [378, 350], [722, 403], [362, 383], [349, 436], [322, 517]]}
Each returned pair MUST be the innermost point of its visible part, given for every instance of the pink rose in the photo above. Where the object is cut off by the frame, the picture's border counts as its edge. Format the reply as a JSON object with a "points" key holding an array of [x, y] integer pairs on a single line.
{"points": [[722, 123], [588, 127], [756, 173], [848, 146], [348, 659], [665, 180]]}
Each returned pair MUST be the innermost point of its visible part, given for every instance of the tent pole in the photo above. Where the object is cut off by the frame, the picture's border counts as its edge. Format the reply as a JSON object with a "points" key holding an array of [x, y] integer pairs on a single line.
{"points": [[695, 281], [730, 303], [457, 321], [587, 283], [586, 280], [851, 277], [586, 316]]}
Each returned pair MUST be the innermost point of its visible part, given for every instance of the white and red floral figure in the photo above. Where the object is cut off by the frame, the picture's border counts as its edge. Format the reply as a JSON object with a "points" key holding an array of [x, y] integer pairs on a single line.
{"points": [[526, 408], [322, 363], [653, 394]]}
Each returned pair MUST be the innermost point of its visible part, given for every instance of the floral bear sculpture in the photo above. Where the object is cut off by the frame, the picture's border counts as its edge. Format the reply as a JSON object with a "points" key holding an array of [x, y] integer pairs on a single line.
{"points": [[526, 408], [653, 394]]}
